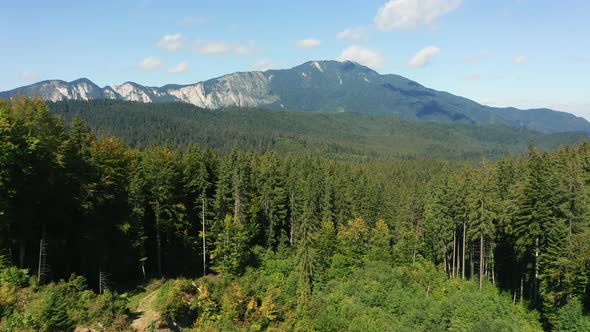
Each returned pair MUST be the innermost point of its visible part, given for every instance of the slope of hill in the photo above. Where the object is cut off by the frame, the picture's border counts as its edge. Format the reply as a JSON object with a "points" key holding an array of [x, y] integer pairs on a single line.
{"points": [[339, 135], [316, 86]]}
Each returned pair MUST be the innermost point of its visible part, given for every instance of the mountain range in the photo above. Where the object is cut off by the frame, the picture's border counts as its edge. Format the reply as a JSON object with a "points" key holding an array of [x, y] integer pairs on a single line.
{"points": [[316, 86]]}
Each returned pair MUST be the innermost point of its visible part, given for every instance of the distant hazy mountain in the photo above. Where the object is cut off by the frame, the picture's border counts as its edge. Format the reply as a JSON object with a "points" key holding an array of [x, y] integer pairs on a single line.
{"points": [[317, 86]]}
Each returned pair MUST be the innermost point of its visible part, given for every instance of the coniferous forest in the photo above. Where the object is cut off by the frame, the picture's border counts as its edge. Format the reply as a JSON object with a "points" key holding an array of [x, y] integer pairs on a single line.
{"points": [[97, 234]]}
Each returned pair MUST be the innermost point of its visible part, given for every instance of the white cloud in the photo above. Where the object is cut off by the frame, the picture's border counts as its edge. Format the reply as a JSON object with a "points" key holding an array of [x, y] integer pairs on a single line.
{"points": [[363, 56], [179, 68], [221, 47], [520, 59], [29, 75], [422, 58], [479, 56], [194, 20], [150, 63], [263, 65], [308, 43], [246, 50], [171, 42], [352, 33], [410, 14], [213, 47], [473, 77]]}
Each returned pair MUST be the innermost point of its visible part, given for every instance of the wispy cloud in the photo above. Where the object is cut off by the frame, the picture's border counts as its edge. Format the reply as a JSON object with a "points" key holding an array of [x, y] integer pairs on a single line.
{"points": [[410, 14], [308, 43], [356, 33], [423, 57], [221, 47], [29, 75], [263, 65], [213, 47], [194, 20], [149, 63], [171, 42], [363, 56], [182, 67], [479, 56], [519, 60], [246, 50], [473, 77]]}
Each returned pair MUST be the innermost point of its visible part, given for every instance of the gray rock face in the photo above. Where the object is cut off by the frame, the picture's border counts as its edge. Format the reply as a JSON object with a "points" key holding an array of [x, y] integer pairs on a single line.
{"points": [[239, 89]]}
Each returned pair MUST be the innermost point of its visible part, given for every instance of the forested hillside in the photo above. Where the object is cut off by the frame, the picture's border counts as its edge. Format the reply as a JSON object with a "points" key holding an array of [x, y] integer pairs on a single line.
{"points": [[348, 136], [249, 239]]}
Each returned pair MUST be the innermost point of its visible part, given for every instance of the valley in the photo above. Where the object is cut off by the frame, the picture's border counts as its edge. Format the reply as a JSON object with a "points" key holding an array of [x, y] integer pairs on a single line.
{"points": [[329, 166]]}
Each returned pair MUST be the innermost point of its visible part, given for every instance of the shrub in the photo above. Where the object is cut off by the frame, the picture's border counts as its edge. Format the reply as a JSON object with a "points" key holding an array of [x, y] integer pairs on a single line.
{"points": [[54, 311], [15, 277]]}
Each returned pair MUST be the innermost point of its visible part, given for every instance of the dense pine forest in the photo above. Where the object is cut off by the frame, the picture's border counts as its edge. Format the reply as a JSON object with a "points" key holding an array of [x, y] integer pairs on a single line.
{"points": [[341, 136], [99, 234]]}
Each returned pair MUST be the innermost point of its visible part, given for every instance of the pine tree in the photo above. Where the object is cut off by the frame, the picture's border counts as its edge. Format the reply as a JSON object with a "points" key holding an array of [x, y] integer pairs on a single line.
{"points": [[482, 201], [532, 214], [439, 222], [273, 200], [380, 242], [54, 312], [159, 167], [306, 244], [230, 250]]}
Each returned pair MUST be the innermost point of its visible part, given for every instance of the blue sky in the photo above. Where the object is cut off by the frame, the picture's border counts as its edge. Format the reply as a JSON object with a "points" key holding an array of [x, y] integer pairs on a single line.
{"points": [[523, 53]]}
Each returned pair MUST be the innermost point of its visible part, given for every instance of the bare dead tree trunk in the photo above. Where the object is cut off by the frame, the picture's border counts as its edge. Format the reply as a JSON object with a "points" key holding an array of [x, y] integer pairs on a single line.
{"points": [[103, 281], [204, 245], [514, 297], [454, 252], [492, 263], [143, 269], [458, 262], [43, 268], [39, 270], [521, 289], [463, 265], [481, 259]]}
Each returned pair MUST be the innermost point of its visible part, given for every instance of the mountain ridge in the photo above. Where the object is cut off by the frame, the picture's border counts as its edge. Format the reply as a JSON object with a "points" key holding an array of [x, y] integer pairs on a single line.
{"points": [[315, 86]]}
